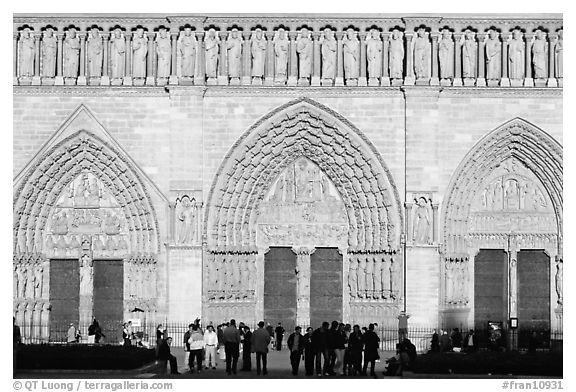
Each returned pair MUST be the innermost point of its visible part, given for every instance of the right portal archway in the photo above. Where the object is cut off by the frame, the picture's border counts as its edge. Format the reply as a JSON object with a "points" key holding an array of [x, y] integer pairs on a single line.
{"points": [[505, 199]]}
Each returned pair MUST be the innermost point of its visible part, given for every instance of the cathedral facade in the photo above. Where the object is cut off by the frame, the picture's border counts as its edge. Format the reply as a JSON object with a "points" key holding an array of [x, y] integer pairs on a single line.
{"points": [[288, 169]]}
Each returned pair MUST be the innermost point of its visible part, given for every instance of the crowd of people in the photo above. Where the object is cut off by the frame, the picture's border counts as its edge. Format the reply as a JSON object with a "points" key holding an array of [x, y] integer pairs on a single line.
{"points": [[333, 349], [454, 342]]}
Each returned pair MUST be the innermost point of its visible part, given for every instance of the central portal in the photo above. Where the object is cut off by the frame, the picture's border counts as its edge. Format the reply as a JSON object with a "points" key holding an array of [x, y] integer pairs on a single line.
{"points": [[325, 286]]}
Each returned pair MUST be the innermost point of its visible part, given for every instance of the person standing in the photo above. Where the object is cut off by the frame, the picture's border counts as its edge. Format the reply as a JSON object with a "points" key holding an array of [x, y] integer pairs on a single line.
{"points": [[295, 344], [231, 337], [196, 345], [308, 351], [92, 332], [279, 335], [355, 346], [210, 343], [126, 335], [470, 342], [187, 345], [247, 350], [339, 349], [331, 343], [259, 341], [220, 335], [402, 326], [371, 343], [270, 330], [435, 344], [166, 356], [72, 335], [319, 342]]}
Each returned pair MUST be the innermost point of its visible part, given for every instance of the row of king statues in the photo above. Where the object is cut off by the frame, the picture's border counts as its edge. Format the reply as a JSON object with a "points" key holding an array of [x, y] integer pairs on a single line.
{"points": [[374, 277], [280, 57]]}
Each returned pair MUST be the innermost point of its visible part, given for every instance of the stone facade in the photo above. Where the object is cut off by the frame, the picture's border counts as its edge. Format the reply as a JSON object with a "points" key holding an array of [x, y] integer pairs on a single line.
{"points": [[190, 178]]}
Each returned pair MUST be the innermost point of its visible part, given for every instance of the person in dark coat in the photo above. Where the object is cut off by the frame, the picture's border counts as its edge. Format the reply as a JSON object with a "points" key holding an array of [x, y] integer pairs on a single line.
{"points": [[333, 342], [309, 353], [356, 346], [166, 356], [295, 344], [444, 342], [371, 344], [246, 349], [409, 348], [435, 343], [456, 338], [319, 344], [279, 335], [231, 337], [260, 341]]}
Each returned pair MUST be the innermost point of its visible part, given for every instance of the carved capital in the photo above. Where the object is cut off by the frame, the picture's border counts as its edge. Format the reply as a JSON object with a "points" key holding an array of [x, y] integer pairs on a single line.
{"points": [[303, 250]]}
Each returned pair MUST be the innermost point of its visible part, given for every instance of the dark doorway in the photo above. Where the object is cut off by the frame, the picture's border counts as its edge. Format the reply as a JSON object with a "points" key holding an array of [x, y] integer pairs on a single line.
{"points": [[109, 297], [533, 297], [280, 287], [325, 286], [64, 297], [490, 290]]}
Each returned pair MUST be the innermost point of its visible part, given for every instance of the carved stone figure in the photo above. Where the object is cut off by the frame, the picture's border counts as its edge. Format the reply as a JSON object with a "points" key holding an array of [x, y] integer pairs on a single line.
{"points": [[374, 54], [117, 54], [385, 278], [186, 218], [281, 48], [369, 276], [49, 47], [38, 279], [351, 48], [95, 53], [539, 55], [516, 56], [304, 48], [222, 273], [377, 276], [396, 55], [513, 285], [469, 49], [29, 292], [258, 51], [422, 222], [421, 54], [164, 53], [234, 48], [303, 275], [361, 272], [446, 55], [71, 52], [21, 278], [395, 278], [493, 50], [329, 47], [353, 277], [140, 50], [26, 53], [559, 281], [251, 273], [211, 47], [559, 55], [187, 51], [449, 281], [511, 195]]}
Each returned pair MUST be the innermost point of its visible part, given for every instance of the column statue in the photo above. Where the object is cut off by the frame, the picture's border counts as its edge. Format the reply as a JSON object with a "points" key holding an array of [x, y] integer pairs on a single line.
{"points": [[186, 219], [95, 53], [187, 52], [351, 47], [281, 50], [369, 276], [361, 272], [140, 50], [258, 51], [469, 50], [516, 56], [71, 54], [539, 55], [211, 48], [21, 278], [117, 54], [377, 277], [304, 48], [385, 278], [234, 48], [493, 51], [86, 275], [559, 55], [395, 278], [328, 47], [446, 55], [353, 277], [303, 275], [374, 54], [26, 53], [449, 281], [49, 45], [396, 55], [422, 221], [559, 281], [421, 55], [38, 280], [164, 53]]}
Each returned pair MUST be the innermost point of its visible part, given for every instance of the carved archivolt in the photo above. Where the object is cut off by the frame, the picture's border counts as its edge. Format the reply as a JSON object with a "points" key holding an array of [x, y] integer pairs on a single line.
{"points": [[304, 128], [83, 187], [509, 178]]}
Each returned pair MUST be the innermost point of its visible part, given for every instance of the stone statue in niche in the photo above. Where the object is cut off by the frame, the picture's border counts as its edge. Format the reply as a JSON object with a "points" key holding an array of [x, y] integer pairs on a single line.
{"points": [[369, 277], [279, 191], [395, 278], [559, 55], [361, 272], [539, 55], [186, 221], [38, 280], [377, 276], [396, 55], [21, 279], [511, 195], [329, 46], [516, 56], [71, 51], [304, 48], [374, 54], [449, 281], [29, 292], [211, 47], [446, 55], [421, 54], [351, 48], [353, 277], [513, 283], [469, 50], [95, 53], [303, 277], [86, 275], [117, 54], [49, 47], [187, 52], [558, 280], [140, 50], [422, 221], [258, 51], [26, 53], [281, 48], [234, 48], [493, 50], [385, 278], [163, 53]]}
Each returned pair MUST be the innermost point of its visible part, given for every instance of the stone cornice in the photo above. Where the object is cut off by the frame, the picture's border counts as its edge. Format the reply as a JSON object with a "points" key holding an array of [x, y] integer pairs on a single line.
{"points": [[121, 91]]}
